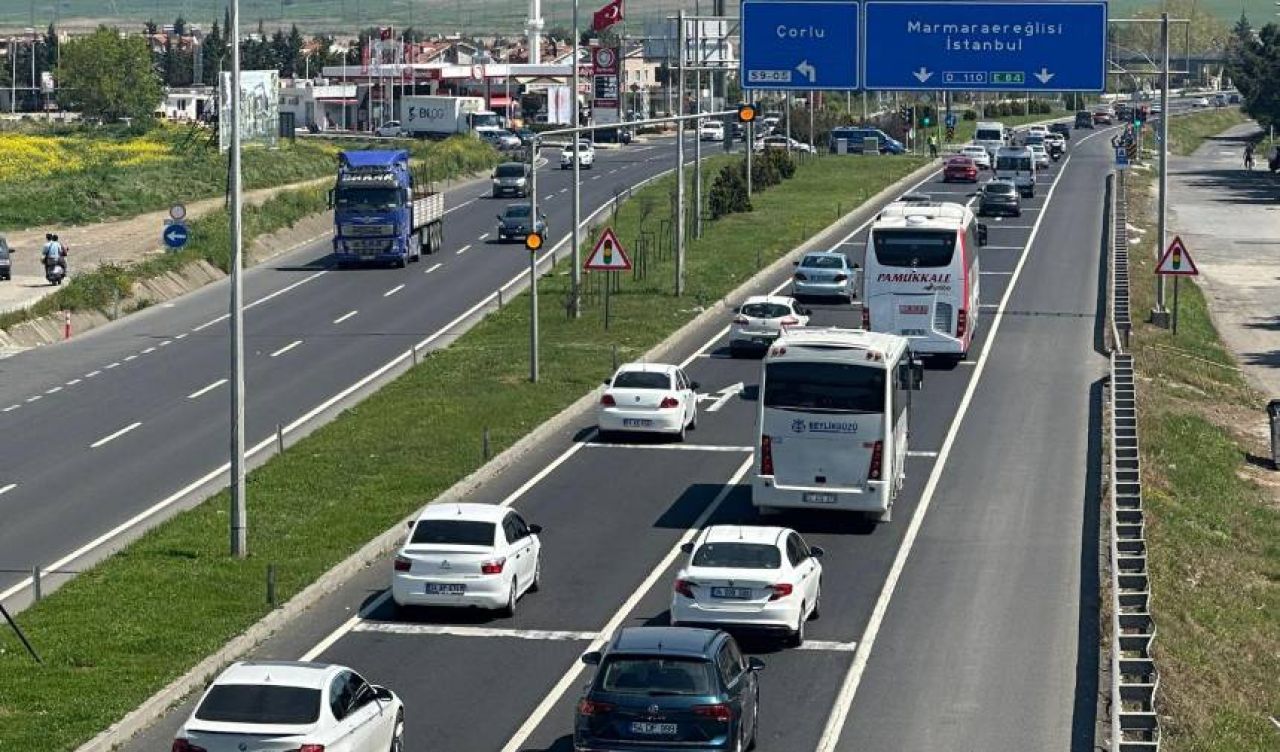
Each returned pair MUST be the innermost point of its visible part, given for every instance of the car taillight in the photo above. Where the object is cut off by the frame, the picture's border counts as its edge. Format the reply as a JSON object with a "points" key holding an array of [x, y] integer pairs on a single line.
{"points": [[593, 707], [800, 277], [669, 402], [741, 320], [403, 564], [841, 277], [685, 588], [877, 452], [789, 321], [962, 322], [866, 318], [781, 590], [493, 566], [766, 455], [182, 745], [311, 748], [608, 401], [718, 712]]}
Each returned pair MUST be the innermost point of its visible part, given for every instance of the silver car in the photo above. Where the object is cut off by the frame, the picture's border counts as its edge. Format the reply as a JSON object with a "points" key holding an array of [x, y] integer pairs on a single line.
{"points": [[825, 273]]}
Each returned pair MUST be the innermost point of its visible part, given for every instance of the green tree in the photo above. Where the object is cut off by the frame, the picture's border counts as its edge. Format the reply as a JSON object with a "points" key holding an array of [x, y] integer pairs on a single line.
{"points": [[108, 76], [1254, 66]]}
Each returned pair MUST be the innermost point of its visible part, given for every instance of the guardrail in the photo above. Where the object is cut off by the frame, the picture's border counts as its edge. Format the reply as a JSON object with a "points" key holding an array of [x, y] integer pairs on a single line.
{"points": [[1135, 726]]}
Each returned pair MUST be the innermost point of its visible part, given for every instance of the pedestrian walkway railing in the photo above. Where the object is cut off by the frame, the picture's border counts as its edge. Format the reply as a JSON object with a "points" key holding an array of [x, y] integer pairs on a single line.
{"points": [[1135, 727]]}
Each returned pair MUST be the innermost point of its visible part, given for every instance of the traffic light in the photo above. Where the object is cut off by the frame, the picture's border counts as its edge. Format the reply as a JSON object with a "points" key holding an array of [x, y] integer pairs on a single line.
{"points": [[926, 121], [533, 241], [746, 113]]}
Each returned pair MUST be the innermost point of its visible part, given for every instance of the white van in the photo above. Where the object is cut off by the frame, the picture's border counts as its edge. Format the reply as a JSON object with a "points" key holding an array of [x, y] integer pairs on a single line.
{"points": [[832, 422], [1017, 164], [921, 275], [990, 135]]}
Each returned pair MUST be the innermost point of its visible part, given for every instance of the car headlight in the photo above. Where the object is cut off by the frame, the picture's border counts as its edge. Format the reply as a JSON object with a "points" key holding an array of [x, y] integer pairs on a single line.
{"points": [[496, 181], [521, 181]]}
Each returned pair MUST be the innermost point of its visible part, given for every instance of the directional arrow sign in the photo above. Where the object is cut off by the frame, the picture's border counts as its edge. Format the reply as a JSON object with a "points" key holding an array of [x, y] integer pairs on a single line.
{"points": [[799, 45], [985, 46], [175, 235]]}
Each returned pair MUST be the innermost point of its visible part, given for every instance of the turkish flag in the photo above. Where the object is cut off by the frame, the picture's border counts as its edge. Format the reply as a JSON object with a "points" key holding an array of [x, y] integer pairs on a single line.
{"points": [[607, 16]]}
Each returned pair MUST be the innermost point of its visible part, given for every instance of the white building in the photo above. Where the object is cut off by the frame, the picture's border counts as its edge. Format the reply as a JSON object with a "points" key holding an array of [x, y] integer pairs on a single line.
{"points": [[329, 106], [187, 103]]}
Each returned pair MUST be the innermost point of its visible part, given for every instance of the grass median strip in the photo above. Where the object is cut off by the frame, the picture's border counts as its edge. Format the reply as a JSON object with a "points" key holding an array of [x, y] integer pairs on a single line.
{"points": [[120, 631]]}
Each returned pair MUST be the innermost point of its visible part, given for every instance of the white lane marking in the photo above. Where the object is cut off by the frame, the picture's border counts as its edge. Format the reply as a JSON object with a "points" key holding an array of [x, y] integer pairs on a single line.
{"points": [[911, 453], [206, 389], [283, 290], [286, 348], [1002, 248], [990, 306], [462, 250], [344, 628], [73, 382], [53, 390], [33, 399], [208, 324], [483, 235], [996, 274], [149, 350], [402, 628], [433, 267], [726, 394], [829, 645], [11, 408], [393, 291], [459, 206], [345, 316], [128, 358], [672, 447], [8, 488], [91, 374], [116, 435], [596, 177], [1003, 226], [544, 472], [549, 701], [849, 687], [166, 343], [109, 366], [182, 336]]}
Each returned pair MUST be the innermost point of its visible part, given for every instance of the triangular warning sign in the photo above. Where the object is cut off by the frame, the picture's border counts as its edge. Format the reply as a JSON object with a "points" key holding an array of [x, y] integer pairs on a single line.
{"points": [[1177, 261], [608, 255]]}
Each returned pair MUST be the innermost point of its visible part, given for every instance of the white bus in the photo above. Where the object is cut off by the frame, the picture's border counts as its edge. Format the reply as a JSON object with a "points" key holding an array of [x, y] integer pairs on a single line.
{"points": [[832, 422], [921, 276], [990, 135]]}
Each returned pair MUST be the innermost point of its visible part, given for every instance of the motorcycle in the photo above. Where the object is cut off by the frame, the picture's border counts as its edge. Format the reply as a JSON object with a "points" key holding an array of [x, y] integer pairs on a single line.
{"points": [[55, 272]]}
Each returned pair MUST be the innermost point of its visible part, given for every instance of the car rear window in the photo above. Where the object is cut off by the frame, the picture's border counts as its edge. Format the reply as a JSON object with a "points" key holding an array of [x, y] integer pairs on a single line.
{"points": [[822, 262], [1000, 188], [510, 170], [737, 556], [655, 676], [642, 380], [264, 704], [959, 162], [824, 387], [454, 532], [914, 248], [765, 310]]}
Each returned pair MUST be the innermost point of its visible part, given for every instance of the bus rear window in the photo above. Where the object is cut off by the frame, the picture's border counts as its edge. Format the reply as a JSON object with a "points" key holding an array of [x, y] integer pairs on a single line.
{"points": [[989, 134], [824, 387], [914, 248], [1022, 164]]}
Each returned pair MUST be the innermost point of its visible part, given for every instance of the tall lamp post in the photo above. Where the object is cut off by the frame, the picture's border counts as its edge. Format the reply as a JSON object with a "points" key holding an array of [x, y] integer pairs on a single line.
{"points": [[239, 515]]}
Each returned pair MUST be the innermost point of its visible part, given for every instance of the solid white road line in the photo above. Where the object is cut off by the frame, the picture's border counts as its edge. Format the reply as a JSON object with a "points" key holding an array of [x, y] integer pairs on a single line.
{"points": [[461, 250], [911, 453], [116, 435], [996, 274], [849, 687], [8, 488], [393, 291], [548, 703], [433, 267], [208, 324], [345, 316], [397, 627], [672, 447], [286, 348], [206, 389]]}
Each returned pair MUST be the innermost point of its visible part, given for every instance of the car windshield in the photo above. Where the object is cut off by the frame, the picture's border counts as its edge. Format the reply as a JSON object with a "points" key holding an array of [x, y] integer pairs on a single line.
{"points": [[517, 211], [453, 532], [368, 199], [261, 704], [510, 170], [914, 248], [825, 387], [737, 556], [765, 310], [824, 261], [652, 675], [999, 188], [642, 380]]}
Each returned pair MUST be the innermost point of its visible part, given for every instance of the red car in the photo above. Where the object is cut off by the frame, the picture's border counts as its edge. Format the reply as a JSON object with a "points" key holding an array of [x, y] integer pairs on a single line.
{"points": [[960, 168]]}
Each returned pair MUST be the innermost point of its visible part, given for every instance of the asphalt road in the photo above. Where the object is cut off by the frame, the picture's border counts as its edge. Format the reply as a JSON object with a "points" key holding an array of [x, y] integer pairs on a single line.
{"points": [[966, 623], [106, 434]]}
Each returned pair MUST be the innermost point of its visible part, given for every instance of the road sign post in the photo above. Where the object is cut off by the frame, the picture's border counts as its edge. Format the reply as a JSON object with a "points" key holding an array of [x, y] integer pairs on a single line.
{"points": [[985, 46], [793, 45], [1177, 263], [1122, 158]]}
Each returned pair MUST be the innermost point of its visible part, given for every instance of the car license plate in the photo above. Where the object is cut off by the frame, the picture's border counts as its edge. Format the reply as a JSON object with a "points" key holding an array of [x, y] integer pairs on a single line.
{"points": [[736, 593], [439, 588], [819, 498], [913, 310], [637, 422], [653, 729]]}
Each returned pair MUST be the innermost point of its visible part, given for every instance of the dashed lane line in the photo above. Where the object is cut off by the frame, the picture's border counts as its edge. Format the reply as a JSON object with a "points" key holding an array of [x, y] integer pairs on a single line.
{"points": [[393, 291], [345, 316], [197, 394], [286, 348], [113, 436]]}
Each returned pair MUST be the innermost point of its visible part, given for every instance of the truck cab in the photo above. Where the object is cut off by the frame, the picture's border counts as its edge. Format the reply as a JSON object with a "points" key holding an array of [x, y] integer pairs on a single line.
{"points": [[381, 214]]}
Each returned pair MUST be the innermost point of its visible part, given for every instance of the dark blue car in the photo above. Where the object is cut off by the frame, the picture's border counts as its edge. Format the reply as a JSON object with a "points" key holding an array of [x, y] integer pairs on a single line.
{"points": [[669, 688]]}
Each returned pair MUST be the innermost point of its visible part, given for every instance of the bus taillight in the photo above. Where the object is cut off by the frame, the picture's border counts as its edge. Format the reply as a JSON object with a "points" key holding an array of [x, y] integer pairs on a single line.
{"points": [[766, 455], [962, 322], [877, 453], [866, 317]]}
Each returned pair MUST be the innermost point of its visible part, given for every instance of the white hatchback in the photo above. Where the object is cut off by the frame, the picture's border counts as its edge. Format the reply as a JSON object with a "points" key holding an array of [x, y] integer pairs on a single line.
{"points": [[648, 398], [477, 555], [752, 577], [279, 706], [761, 319]]}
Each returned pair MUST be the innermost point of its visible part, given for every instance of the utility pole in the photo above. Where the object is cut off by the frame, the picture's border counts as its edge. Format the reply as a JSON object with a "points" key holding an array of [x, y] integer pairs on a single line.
{"points": [[1160, 316], [239, 514], [680, 43], [750, 137], [697, 128], [575, 295], [533, 253]]}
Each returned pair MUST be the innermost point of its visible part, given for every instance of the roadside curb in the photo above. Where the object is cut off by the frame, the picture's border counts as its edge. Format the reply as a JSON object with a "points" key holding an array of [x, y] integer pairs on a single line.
{"points": [[154, 708]]}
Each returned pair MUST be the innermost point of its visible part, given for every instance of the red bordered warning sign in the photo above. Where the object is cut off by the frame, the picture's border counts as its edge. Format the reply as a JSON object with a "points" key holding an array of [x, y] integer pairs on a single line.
{"points": [[608, 255], [1177, 261]]}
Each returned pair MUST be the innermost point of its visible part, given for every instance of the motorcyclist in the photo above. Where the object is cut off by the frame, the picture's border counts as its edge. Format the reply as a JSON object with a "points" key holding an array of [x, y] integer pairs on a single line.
{"points": [[53, 253]]}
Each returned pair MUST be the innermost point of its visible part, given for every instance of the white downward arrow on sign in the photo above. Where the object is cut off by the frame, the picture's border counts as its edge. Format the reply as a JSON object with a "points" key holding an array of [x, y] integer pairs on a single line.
{"points": [[808, 71], [922, 75], [1044, 75]]}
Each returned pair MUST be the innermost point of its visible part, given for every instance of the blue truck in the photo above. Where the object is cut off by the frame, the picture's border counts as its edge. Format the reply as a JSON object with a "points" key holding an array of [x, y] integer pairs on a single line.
{"points": [[383, 212]]}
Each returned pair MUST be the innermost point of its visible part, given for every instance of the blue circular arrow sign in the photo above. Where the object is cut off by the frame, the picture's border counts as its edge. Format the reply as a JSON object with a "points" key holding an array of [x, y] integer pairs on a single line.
{"points": [[175, 235]]}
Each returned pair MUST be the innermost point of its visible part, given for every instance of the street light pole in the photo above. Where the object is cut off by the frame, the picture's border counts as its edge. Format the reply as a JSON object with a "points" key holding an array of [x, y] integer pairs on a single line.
{"points": [[575, 297], [533, 256], [697, 128], [1164, 163], [239, 514], [682, 51]]}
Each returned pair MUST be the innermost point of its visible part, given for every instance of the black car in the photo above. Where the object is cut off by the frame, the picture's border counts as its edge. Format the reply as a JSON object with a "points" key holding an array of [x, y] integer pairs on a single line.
{"points": [[669, 688], [1084, 119], [511, 179], [1061, 128], [514, 223], [999, 197]]}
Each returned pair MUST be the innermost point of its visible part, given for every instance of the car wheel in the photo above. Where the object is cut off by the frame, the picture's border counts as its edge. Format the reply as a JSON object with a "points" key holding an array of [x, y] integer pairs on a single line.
{"points": [[536, 585], [684, 432], [796, 638], [817, 603], [509, 610], [397, 734]]}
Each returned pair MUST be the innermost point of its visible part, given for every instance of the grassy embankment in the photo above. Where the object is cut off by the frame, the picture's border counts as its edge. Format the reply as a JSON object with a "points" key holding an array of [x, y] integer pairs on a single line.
{"points": [[122, 630], [1213, 514], [1188, 132]]}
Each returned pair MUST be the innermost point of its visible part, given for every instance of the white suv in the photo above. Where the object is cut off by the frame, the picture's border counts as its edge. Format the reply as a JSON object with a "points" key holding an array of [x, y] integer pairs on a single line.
{"points": [[586, 155]]}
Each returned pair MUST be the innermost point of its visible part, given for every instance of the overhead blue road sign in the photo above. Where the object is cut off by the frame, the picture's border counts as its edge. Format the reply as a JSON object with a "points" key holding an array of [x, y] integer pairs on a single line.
{"points": [[175, 235], [795, 44], [986, 46]]}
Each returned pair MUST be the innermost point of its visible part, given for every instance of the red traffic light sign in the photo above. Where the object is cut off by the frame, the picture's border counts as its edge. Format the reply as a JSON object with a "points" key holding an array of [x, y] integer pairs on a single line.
{"points": [[608, 255], [1177, 261]]}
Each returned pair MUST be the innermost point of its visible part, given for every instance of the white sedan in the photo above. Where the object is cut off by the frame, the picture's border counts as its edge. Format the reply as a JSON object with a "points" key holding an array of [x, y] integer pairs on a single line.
{"points": [[1200, 102], [649, 398], [712, 131], [467, 555], [763, 578], [288, 705], [1041, 156], [978, 154], [761, 319], [389, 129], [586, 153]]}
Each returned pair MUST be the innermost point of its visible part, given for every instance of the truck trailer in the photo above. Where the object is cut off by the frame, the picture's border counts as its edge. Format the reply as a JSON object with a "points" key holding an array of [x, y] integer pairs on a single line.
{"points": [[440, 116]]}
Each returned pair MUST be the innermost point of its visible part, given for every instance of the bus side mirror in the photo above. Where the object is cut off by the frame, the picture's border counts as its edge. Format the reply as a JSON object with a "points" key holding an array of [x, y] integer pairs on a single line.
{"points": [[329, 198], [982, 234], [917, 375]]}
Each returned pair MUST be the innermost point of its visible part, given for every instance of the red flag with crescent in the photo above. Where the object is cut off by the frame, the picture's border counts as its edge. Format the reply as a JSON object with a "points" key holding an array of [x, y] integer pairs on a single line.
{"points": [[607, 16]]}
